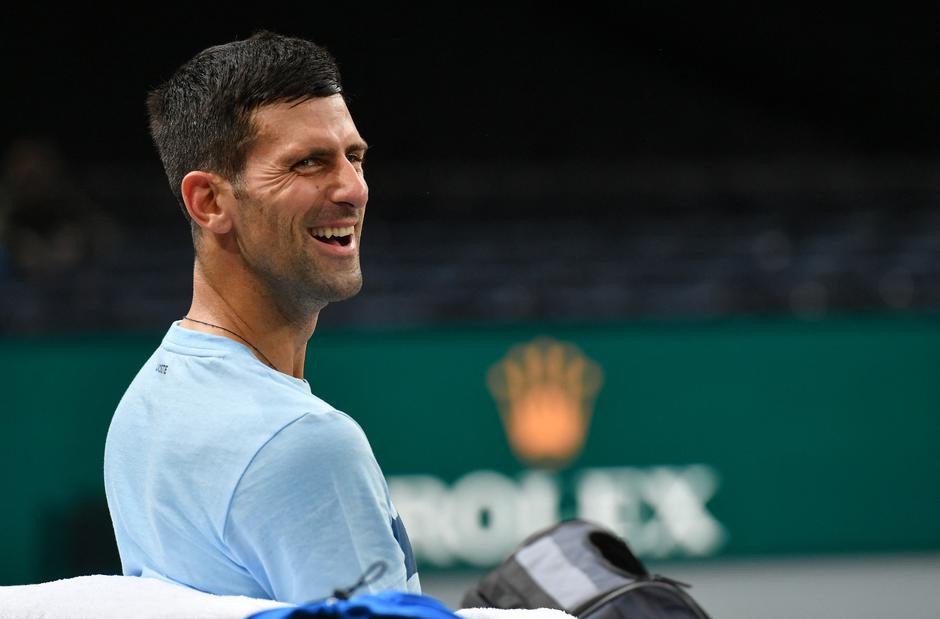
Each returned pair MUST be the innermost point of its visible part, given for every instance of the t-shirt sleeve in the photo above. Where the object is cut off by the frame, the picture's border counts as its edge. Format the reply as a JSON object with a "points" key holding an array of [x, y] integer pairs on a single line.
{"points": [[311, 513]]}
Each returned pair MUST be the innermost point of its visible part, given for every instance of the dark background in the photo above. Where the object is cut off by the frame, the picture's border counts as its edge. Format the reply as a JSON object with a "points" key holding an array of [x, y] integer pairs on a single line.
{"points": [[520, 83]]}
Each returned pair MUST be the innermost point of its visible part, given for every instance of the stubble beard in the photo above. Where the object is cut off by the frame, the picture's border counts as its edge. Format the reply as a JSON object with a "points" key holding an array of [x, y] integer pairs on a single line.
{"points": [[300, 287]]}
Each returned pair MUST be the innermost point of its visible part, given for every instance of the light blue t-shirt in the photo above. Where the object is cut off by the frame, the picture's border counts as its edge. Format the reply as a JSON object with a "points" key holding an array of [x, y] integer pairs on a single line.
{"points": [[229, 477]]}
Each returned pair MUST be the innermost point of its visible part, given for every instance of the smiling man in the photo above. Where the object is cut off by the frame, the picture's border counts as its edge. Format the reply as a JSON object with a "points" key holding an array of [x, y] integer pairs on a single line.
{"points": [[223, 471]]}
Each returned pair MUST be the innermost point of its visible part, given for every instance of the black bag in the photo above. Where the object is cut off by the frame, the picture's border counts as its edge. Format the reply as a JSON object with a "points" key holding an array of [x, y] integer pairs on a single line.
{"points": [[585, 570]]}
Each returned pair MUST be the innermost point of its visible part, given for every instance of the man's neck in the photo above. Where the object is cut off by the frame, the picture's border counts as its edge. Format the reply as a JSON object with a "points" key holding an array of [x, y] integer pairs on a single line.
{"points": [[241, 311]]}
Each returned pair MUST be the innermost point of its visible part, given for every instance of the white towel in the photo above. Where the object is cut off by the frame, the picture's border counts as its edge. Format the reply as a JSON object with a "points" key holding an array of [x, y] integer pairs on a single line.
{"points": [[113, 597], [513, 613], [110, 597]]}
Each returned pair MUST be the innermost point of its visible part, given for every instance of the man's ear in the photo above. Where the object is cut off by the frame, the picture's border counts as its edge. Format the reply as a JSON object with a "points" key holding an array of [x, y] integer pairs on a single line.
{"points": [[203, 195]]}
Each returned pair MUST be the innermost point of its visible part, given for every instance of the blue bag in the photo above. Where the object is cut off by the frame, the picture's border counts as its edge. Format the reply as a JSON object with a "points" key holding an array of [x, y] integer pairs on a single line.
{"points": [[384, 605]]}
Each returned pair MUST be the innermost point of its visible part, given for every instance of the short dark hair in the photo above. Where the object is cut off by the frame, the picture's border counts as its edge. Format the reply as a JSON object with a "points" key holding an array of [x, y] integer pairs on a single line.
{"points": [[200, 119]]}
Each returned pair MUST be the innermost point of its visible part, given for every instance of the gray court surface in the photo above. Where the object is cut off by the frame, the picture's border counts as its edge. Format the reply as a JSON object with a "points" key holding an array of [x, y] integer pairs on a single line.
{"points": [[868, 587]]}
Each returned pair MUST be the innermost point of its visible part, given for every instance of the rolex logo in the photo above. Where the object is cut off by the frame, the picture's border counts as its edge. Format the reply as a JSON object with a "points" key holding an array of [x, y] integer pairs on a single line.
{"points": [[545, 391]]}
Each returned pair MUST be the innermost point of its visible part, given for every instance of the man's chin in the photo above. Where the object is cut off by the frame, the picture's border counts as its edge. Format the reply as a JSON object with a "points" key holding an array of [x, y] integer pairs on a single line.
{"points": [[348, 293], [342, 290]]}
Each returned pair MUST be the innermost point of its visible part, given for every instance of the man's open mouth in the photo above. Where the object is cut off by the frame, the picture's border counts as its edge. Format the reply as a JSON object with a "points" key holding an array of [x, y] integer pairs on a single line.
{"points": [[334, 236]]}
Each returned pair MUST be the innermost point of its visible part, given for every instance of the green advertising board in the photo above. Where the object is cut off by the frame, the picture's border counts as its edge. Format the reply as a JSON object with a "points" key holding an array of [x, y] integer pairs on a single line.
{"points": [[757, 437]]}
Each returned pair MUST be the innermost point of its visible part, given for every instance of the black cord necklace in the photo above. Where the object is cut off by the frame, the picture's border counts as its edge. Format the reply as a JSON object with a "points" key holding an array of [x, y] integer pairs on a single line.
{"points": [[255, 348]]}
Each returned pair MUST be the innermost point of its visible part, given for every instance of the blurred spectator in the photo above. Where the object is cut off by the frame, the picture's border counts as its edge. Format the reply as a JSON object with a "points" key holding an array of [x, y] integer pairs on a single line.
{"points": [[47, 225]]}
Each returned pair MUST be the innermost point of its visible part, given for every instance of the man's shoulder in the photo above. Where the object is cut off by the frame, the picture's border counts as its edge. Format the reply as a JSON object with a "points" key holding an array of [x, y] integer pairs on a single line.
{"points": [[327, 436], [311, 463]]}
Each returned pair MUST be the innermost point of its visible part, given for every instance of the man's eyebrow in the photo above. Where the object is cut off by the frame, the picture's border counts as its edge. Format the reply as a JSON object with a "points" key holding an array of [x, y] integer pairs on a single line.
{"points": [[360, 146]]}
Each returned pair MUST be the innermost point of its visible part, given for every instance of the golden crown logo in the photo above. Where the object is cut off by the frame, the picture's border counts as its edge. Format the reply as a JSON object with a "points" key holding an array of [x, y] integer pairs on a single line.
{"points": [[545, 391]]}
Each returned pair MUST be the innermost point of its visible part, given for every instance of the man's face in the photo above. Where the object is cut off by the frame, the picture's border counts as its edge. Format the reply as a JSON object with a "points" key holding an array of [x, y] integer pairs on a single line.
{"points": [[302, 198]]}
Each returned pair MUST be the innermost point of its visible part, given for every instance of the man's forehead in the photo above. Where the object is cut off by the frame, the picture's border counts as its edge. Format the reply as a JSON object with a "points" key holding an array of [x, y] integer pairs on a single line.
{"points": [[322, 119]]}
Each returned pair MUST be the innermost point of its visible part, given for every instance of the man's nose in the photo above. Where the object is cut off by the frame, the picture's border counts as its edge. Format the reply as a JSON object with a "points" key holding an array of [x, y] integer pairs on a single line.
{"points": [[350, 185]]}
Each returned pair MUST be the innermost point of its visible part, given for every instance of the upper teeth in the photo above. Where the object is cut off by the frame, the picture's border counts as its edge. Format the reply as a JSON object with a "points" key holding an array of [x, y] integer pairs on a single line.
{"points": [[331, 232]]}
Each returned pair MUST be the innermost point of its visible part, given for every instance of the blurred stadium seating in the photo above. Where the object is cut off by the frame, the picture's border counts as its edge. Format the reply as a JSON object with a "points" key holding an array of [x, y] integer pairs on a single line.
{"points": [[551, 243]]}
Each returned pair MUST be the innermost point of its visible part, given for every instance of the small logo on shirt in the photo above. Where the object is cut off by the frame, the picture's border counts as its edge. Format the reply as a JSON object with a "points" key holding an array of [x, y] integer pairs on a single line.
{"points": [[161, 368]]}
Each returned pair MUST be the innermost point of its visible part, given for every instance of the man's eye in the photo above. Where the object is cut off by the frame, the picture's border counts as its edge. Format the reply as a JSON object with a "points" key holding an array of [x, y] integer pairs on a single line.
{"points": [[355, 158]]}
